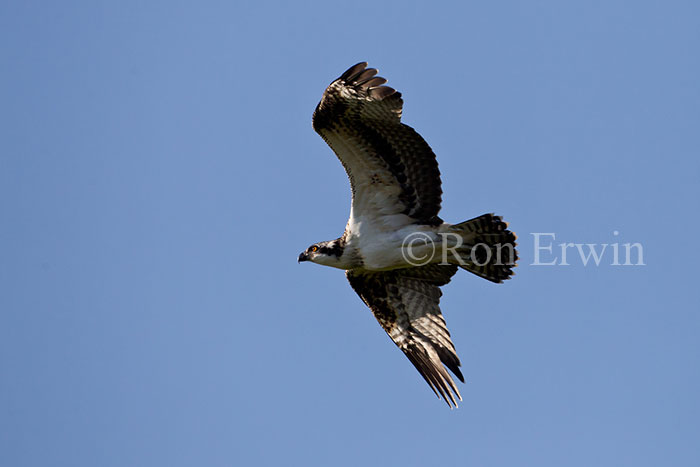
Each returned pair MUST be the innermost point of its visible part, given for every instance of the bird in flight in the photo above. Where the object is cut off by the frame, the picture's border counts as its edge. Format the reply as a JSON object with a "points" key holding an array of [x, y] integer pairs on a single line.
{"points": [[396, 251]]}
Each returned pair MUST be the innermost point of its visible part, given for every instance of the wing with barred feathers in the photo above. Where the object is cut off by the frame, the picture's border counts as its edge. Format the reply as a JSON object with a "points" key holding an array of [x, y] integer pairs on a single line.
{"points": [[406, 304], [392, 170]]}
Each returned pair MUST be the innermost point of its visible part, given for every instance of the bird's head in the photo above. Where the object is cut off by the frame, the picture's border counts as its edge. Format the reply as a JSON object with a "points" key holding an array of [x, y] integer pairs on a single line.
{"points": [[326, 253]]}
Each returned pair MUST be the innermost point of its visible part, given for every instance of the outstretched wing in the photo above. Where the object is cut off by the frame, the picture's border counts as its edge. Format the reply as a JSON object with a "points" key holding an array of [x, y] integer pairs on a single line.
{"points": [[392, 170], [406, 304]]}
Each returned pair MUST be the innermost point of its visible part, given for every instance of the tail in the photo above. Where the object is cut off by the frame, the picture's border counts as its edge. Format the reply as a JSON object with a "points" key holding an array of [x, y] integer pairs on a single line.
{"points": [[487, 248]]}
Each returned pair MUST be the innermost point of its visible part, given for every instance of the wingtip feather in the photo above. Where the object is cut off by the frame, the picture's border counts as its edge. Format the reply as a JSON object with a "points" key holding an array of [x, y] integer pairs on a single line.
{"points": [[353, 70]]}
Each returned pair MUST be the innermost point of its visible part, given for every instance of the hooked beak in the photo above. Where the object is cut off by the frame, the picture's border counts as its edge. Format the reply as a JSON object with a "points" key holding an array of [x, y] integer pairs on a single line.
{"points": [[303, 257]]}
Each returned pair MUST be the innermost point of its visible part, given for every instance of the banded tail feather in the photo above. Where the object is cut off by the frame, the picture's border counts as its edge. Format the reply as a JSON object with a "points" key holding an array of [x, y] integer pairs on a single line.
{"points": [[487, 248]]}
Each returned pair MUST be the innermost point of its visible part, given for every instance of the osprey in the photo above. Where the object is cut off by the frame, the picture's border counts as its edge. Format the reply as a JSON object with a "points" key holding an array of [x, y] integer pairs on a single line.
{"points": [[396, 251]]}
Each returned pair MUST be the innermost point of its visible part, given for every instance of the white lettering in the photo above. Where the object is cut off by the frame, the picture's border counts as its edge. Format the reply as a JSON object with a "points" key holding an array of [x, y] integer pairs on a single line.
{"points": [[537, 236]]}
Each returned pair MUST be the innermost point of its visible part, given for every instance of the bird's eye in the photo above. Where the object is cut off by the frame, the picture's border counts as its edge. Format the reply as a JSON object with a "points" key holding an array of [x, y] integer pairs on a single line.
{"points": [[313, 249]]}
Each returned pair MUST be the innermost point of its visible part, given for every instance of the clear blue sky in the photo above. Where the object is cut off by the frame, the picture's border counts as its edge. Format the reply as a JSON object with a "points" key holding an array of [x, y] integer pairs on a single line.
{"points": [[159, 176]]}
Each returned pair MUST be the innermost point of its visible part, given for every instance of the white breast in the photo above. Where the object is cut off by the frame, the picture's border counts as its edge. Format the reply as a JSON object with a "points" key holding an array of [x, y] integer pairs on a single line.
{"points": [[380, 241]]}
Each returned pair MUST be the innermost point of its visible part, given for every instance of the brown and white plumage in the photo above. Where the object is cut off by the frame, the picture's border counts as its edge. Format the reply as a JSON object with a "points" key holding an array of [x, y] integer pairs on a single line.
{"points": [[360, 119], [406, 304], [396, 193]]}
